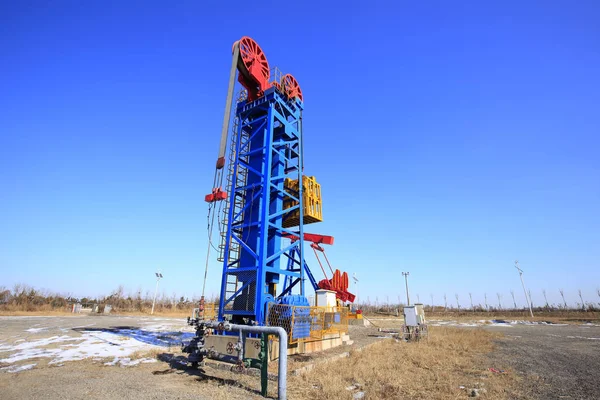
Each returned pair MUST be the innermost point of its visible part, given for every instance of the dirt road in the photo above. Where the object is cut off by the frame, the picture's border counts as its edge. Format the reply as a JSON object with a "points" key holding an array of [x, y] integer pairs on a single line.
{"points": [[557, 362]]}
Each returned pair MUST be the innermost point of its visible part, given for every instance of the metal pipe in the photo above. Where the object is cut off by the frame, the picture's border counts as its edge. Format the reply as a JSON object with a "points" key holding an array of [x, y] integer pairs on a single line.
{"points": [[283, 345], [241, 347]]}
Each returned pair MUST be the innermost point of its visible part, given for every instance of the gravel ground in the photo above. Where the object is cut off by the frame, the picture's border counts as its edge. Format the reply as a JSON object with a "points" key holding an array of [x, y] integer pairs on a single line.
{"points": [[33, 351], [557, 362]]}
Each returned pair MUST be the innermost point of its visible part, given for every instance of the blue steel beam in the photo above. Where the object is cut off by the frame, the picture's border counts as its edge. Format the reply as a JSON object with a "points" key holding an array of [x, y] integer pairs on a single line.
{"points": [[268, 150]]}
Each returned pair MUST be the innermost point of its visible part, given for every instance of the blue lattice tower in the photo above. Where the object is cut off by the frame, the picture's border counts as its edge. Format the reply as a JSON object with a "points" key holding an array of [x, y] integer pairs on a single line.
{"points": [[267, 150]]}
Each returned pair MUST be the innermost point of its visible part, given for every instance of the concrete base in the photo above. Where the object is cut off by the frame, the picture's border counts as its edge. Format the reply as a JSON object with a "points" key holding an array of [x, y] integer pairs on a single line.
{"points": [[359, 322], [225, 344], [329, 340]]}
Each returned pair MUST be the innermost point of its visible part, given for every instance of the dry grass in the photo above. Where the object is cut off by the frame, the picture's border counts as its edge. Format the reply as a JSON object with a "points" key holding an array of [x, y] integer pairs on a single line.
{"points": [[41, 312], [48, 311], [166, 313], [555, 316], [565, 317], [152, 353], [431, 369]]}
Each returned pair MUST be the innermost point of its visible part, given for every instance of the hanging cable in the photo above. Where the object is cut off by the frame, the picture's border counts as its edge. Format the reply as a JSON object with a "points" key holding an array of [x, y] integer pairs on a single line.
{"points": [[211, 210]]}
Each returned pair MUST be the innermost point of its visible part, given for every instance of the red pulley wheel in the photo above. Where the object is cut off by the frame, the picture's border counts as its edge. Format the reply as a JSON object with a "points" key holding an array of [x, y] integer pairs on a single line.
{"points": [[290, 86], [254, 61]]}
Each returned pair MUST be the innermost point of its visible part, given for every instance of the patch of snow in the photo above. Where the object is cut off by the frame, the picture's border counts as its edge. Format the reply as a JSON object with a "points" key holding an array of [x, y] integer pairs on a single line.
{"points": [[159, 327], [35, 330], [127, 362], [583, 337], [18, 368], [89, 344]]}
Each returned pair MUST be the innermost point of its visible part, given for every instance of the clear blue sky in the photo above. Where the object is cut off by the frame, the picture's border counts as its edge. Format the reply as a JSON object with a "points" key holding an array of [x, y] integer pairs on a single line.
{"points": [[449, 138]]}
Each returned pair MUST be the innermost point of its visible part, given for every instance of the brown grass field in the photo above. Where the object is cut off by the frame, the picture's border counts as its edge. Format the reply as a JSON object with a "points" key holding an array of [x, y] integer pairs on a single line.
{"points": [[433, 368], [557, 316]]}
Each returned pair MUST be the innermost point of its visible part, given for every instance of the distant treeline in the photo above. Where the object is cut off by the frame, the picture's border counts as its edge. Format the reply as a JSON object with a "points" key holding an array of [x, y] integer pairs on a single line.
{"points": [[385, 308], [27, 298]]}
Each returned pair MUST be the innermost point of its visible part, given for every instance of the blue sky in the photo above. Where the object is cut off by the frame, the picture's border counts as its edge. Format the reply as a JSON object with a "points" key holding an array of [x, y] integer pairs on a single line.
{"points": [[449, 139]]}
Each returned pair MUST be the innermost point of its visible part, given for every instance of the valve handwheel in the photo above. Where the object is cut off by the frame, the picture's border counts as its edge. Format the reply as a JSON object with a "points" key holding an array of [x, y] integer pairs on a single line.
{"points": [[290, 86]]}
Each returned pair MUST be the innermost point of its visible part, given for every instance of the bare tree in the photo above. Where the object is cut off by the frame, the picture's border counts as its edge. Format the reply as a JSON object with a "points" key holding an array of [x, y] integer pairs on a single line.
{"points": [[499, 301], [512, 293], [562, 294], [445, 302], [486, 303], [471, 298], [457, 303], [581, 297], [546, 298]]}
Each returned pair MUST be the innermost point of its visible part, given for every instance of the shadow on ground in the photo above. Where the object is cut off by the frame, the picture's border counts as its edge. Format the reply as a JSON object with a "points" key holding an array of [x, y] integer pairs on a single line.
{"points": [[179, 364]]}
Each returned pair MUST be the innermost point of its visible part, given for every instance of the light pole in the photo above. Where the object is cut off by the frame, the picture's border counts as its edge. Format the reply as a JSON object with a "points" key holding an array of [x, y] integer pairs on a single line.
{"points": [[158, 277], [524, 290], [405, 274]]}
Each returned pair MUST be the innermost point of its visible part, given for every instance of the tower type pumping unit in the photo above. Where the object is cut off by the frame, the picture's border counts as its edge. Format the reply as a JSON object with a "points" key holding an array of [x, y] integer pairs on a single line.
{"points": [[266, 150], [261, 213], [267, 199]]}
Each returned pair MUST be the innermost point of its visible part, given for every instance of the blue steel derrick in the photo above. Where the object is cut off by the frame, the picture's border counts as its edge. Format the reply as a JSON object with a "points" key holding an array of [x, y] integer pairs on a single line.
{"points": [[268, 149]]}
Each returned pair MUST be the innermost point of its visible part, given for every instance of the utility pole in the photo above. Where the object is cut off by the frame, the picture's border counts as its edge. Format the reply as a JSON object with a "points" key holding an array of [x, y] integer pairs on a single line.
{"points": [[432, 308], [512, 293], [524, 290], [158, 277], [546, 298], [499, 301], [471, 297], [457, 303], [405, 274], [486, 305]]}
